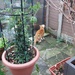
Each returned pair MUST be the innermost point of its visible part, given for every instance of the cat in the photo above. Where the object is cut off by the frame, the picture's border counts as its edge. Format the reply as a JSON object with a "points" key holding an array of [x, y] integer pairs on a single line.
{"points": [[39, 34]]}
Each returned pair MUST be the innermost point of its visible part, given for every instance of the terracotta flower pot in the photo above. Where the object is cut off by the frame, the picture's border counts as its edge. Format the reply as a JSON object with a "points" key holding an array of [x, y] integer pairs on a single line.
{"points": [[21, 69], [1, 51], [57, 66]]}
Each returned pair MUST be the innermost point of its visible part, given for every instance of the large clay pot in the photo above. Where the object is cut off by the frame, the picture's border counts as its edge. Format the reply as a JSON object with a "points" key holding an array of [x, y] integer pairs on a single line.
{"points": [[21, 69], [1, 51]]}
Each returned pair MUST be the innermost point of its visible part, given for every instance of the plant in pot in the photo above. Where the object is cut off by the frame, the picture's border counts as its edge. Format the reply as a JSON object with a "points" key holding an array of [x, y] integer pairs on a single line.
{"points": [[58, 68], [21, 57]]}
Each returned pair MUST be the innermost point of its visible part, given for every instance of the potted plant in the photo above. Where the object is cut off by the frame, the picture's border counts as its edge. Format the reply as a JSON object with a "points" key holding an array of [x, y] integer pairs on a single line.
{"points": [[22, 56], [58, 69]]}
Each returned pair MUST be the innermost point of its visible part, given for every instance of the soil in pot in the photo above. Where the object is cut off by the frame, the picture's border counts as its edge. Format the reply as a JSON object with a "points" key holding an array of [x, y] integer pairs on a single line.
{"points": [[59, 71], [13, 56]]}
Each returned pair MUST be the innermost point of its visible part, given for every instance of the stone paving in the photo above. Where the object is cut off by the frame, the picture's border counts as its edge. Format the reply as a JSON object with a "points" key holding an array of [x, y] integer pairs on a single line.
{"points": [[51, 52]]}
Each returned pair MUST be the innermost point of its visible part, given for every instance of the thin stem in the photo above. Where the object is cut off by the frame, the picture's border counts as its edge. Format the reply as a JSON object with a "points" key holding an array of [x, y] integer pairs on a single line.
{"points": [[43, 16], [32, 25], [22, 19]]}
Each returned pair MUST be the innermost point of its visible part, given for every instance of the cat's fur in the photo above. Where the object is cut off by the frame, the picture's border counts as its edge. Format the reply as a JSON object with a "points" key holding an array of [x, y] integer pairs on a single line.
{"points": [[39, 34]]}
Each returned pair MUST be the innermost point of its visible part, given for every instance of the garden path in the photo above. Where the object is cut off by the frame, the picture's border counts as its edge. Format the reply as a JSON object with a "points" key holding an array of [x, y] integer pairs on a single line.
{"points": [[51, 52]]}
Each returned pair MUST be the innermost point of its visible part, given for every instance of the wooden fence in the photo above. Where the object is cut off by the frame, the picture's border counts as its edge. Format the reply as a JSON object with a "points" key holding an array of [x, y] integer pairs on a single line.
{"points": [[58, 24]]}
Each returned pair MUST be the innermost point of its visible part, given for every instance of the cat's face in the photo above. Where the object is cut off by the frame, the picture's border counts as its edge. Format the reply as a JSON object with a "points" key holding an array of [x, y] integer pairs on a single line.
{"points": [[42, 26]]}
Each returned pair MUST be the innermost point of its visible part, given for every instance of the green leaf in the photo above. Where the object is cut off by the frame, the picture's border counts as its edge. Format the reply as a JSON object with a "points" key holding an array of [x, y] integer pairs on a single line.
{"points": [[25, 52], [37, 67], [33, 19], [2, 42]]}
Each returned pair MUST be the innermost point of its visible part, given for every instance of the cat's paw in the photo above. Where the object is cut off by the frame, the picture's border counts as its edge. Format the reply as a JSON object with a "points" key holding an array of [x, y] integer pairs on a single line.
{"points": [[39, 41], [42, 38]]}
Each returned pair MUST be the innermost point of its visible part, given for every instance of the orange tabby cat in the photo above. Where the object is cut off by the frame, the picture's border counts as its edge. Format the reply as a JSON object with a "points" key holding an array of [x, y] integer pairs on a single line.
{"points": [[39, 34]]}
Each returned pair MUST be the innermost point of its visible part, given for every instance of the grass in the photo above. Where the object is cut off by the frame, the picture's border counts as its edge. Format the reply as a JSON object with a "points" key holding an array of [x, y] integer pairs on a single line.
{"points": [[1, 72]]}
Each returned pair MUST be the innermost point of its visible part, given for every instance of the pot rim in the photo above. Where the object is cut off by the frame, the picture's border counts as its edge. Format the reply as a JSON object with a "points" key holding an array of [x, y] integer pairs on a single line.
{"points": [[8, 64]]}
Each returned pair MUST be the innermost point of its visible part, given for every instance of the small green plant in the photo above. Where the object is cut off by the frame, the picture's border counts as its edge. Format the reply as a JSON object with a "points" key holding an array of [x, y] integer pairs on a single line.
{"points": [[1, 72], [37, 68], [2, 42], [59, 40]]}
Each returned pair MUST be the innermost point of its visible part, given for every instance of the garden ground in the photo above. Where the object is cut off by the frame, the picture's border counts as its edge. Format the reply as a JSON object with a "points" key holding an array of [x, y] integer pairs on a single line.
{"points": [[51, 52]]}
